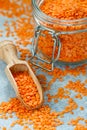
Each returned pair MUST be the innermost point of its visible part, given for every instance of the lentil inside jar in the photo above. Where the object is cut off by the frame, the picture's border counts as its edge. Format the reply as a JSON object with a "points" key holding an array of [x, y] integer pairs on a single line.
{"points": [[69, 18]]}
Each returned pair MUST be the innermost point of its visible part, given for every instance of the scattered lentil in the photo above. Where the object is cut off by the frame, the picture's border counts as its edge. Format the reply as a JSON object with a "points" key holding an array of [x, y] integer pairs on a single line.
{"points": [[78, 96], [42, 79], [4, 128], [86, 121], [77, 87], [41, 118], [80, 127], [57, 73], [75, 121], [81, 108]]}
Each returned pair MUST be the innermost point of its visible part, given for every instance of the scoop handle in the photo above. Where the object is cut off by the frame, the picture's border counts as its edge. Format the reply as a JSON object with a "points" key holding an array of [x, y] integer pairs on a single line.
{"points": [[8, 52]]}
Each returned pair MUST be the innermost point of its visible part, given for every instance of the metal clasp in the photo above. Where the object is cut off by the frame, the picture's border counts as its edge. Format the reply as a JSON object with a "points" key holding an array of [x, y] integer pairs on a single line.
{"points": [[38, 57]]}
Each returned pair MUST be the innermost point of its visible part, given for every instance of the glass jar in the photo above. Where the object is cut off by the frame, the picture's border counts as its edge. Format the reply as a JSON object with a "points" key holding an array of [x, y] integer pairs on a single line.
{"points": [[57, 39]]}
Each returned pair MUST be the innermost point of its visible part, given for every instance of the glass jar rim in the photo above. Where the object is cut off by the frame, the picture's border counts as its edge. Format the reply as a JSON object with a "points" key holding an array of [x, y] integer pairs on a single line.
{"points": [[41, 15]]}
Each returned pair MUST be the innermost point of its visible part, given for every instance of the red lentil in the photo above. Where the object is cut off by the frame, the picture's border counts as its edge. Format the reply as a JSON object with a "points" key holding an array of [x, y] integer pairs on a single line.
{"points": [[58, 73], [59, 95], [4, 128], [81, 108], [42, 79], [27, 88], [73, 45], [42, 116], [56, 100], [64, 9], [75, 121], [80, 127], [86, 121], [86, 81], [72, 106], [77, 87], [24, 53], [23, 34], [78, 96]]}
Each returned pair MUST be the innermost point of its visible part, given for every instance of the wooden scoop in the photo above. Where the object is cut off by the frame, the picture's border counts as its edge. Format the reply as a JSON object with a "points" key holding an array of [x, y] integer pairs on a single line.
{"points": [[8, 53]]}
